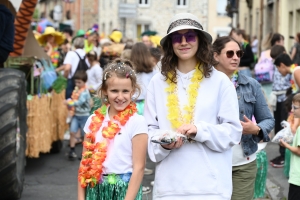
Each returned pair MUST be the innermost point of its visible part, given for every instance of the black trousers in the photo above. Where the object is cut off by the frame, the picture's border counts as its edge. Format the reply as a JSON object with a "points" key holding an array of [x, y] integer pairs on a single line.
{"points": [[294, 192], [279, 115]]}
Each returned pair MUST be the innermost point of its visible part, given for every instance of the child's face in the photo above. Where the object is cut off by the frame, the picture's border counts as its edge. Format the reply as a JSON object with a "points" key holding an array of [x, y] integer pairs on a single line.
{"points": [[296, 109], [119, 92], [79, 83], [283, 69]]}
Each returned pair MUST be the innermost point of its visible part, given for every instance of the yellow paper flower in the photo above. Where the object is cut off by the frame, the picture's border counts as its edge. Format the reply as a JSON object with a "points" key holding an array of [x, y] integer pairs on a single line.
{"points": [[175, 115]]}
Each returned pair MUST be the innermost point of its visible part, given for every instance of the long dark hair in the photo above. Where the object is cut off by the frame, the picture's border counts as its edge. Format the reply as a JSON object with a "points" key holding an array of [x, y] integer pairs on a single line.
{"points": [[141, 58], [219, 43], [204, 55]]}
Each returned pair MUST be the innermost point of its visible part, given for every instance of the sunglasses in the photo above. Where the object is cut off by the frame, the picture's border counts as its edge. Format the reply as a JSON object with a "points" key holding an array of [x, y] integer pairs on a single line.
{"points": [[294, 107], [189, 36], [238, 53]]}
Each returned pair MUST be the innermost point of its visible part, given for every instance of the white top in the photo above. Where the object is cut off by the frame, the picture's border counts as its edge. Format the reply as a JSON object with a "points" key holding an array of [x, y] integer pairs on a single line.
{"points": [[143, 80], [200, 170], [94, 74], [238, 157], [254, 46], [119, 154], [73, 60]]}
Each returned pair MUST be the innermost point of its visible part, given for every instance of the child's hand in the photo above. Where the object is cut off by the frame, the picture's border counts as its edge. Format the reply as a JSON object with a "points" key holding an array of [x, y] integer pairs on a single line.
{"points": [[173, 145], [190, 130], [65, 102], [283, 143]]}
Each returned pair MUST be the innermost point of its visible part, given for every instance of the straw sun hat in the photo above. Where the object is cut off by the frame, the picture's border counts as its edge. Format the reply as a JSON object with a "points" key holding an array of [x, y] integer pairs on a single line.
{"points": [[185, 21], [59, 38]]}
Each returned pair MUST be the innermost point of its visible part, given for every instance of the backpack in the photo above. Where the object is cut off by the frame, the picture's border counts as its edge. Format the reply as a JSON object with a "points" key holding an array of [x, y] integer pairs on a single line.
{"points": [[82, 66], [264, 70]]}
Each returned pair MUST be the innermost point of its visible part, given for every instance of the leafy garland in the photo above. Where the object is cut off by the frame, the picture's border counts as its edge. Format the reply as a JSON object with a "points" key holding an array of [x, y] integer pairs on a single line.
{"points": [[75, 96], [174, 112], [91, 170], [234, 78]]}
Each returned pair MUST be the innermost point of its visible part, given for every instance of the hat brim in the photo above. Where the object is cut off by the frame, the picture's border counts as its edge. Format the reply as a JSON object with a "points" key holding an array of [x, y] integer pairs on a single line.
{"points": [[77, 36], [59, 38], [182, 27]]}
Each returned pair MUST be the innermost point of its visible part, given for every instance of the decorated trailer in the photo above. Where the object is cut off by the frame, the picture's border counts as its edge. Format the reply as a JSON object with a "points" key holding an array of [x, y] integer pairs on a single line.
{"points": [[32, 119]]}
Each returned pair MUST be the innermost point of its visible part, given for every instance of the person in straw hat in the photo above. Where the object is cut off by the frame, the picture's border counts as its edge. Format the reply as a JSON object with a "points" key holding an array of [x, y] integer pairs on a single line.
{"points": [[51, 40], [197, 105]]}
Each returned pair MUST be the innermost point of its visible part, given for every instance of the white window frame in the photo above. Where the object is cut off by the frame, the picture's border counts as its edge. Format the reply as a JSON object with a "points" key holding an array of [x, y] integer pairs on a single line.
{"points": [[143, 4], [181, 3]]}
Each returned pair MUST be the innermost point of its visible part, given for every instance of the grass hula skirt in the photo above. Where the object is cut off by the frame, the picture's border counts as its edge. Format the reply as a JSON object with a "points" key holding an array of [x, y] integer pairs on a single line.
{"points": [[113, 187], [287, 159], [261, 174]]}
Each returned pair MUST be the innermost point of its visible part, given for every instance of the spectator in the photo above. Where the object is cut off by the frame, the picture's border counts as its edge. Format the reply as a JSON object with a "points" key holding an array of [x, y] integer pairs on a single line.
{"points": [[71, 62], [248, 57], [295, 56]]}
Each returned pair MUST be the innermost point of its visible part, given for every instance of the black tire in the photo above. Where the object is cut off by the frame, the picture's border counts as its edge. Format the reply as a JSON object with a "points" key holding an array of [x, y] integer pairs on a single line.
{"points": [[56, 146], [13, 128]]}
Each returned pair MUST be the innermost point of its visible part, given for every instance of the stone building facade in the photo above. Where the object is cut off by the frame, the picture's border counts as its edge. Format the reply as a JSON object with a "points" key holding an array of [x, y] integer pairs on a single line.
{"points": [[260, 17], [155, 15], [83, 13]]}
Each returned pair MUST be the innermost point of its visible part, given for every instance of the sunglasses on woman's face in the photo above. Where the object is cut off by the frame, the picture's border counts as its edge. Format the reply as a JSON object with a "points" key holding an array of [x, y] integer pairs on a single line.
{"points": [[238, 53], [189, 36]]}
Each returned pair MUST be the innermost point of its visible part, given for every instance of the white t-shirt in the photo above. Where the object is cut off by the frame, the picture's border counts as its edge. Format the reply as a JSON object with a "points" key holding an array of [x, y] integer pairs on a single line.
{"points": [[119, 154], [95, 74], [143, 80], [238, 157], [73, 60]]}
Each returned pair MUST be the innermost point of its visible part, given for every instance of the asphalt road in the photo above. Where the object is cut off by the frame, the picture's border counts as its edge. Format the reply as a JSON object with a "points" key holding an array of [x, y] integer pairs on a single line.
{"points": [[54, 177]]}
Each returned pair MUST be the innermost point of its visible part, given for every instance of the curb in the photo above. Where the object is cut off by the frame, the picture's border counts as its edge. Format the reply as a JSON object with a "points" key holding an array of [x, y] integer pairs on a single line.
{"points": [[272, 190]]}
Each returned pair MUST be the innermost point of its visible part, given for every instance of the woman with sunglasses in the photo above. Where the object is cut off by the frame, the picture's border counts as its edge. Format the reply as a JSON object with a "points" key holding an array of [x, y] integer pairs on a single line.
{"points": [[192, 98], [252, 103]]}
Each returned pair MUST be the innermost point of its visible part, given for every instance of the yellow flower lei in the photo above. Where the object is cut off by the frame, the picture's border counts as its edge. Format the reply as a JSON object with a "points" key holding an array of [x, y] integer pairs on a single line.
{"points": [[174, 112]]}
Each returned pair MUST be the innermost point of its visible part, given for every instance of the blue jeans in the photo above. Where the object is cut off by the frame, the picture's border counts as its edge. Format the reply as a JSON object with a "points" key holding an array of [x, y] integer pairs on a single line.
{"points": [[78, 122]]}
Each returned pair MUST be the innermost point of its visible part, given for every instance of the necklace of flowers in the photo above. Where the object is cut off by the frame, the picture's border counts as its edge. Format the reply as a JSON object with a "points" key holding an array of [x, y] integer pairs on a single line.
{"points": [[293, 84], [75, 96], [91, 170], [234, 78], [174, 112]]}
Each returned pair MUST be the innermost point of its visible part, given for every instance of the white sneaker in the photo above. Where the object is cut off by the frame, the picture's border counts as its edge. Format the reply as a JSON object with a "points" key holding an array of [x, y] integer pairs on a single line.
{"points": [[152, 183], [148, 171], [146, 190], [67, 135], [68, 120]]}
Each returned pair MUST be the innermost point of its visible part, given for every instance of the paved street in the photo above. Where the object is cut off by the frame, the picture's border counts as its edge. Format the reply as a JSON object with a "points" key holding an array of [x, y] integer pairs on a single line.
{"points": [[52, 176]]}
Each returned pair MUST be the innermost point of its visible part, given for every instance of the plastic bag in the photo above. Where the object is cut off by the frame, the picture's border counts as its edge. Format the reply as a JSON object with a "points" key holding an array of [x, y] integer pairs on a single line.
{"points": [[285, 134], [167, 137], [48, 75]]}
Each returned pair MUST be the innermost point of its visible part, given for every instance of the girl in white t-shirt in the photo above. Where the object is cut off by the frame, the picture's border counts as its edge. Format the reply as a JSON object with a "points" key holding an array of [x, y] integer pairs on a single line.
{"points": [[94, 72], [143, 66], [114, 151]]}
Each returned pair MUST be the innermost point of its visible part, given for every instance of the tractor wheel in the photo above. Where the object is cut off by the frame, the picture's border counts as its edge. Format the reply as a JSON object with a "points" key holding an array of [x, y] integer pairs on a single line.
{"points": [[13, 128]]}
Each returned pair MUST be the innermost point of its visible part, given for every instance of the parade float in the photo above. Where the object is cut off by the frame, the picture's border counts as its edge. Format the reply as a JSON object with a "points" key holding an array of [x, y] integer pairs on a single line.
{"points": [[33, 119]]}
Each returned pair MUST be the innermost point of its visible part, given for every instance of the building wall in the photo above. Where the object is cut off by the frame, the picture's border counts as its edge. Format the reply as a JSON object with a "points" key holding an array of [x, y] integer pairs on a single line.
{"points": [[156, 16], [217, 24], [280, 16], [289, 20], [84, 13]]}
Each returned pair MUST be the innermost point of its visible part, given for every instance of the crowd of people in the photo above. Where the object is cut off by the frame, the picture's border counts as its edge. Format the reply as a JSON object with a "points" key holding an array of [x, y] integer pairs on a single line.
{"points": [[220, 97]]}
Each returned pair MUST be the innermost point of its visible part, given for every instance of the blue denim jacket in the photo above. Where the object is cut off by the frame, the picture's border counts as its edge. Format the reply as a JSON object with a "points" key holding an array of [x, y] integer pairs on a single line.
{"points": [[253, 103]]}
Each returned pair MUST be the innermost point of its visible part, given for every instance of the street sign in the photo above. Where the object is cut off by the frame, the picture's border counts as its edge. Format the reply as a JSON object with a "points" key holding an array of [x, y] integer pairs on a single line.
{"points": [[127, 10]]}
